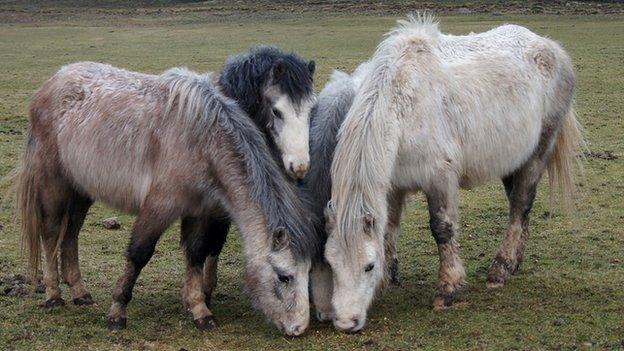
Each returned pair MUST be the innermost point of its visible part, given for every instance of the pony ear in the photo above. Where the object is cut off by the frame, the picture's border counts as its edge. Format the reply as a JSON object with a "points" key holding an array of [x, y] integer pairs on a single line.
{"points": [[280, 240], [311, 67], [369, 223], [278, 69]]}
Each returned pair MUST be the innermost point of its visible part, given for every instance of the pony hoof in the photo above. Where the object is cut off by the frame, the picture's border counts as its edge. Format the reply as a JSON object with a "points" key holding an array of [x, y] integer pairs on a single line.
{"points": [[117, 323], [83, 301], [205, 323], [498, 273], [442, 302], [52, 303]]}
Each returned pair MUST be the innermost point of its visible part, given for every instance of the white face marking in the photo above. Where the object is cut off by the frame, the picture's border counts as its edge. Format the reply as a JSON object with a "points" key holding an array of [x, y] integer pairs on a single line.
{"points": [[291, 134], [354, 281]]}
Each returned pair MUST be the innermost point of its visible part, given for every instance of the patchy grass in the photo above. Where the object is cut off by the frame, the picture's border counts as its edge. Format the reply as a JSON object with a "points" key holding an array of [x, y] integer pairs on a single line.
{"points": [[568, 294]]}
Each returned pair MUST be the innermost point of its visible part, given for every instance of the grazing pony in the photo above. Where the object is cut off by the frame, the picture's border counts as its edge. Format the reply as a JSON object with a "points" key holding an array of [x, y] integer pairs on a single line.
{"points": [[434, 113], [163, 147], [327, 116], [276, 90]]}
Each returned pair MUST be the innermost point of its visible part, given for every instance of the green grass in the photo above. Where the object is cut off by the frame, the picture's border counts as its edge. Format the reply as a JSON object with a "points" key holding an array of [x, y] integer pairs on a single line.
{"points": [[568, 295]]}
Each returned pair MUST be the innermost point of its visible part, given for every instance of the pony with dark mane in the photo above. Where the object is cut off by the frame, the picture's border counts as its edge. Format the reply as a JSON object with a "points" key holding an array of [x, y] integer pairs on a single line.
{"points": [[276, 90], [162, 147]]}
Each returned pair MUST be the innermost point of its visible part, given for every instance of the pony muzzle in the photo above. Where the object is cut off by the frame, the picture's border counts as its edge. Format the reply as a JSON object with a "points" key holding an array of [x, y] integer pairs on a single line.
{"points": [[297, 169], [352, 324]]}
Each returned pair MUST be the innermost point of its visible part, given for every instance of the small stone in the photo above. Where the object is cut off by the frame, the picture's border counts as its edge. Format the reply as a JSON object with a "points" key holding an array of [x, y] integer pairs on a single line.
{"points": [[497, 13], [464, 11], [111, 223]]}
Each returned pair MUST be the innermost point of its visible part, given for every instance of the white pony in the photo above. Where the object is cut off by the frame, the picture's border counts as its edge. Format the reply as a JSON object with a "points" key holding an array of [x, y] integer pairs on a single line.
{"points": [[434, 113]]}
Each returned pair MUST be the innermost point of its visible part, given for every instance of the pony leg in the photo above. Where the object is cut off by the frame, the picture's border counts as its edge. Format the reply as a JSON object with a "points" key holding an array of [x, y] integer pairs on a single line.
{"points": [[53, 207], [321, 288], [521, 189], [443, 221], [154, 218], [216, 234], [197, 244], [70, 267], [396, 201]]}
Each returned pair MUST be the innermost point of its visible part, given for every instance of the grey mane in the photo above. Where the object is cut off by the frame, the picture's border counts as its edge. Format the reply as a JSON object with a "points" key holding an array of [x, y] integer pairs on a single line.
{"points": [[327, 116], [199, 99]]}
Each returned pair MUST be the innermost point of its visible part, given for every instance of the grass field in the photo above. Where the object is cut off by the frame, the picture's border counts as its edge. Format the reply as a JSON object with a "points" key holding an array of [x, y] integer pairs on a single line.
{"points": [[568, 295]]}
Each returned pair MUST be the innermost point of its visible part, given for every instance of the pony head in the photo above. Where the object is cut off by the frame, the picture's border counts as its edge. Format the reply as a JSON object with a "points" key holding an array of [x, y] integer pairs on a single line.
{"points": [[358, 270], [276, 89], [278, 284]]}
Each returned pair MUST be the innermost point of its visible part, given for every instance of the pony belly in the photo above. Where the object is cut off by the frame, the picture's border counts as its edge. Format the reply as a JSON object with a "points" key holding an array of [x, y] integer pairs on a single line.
{"points": [[115, 186], [499, 157]]}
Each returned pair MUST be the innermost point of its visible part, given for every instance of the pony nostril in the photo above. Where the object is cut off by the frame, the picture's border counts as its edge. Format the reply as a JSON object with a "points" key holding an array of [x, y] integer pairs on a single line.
{"points": [[355, 321], [296, 330], [291, 168]]}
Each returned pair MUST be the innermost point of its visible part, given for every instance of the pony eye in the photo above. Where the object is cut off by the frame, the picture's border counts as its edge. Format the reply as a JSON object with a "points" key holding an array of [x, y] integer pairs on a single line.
{"points": [[283, 278], [369, 267], [277, 114]]}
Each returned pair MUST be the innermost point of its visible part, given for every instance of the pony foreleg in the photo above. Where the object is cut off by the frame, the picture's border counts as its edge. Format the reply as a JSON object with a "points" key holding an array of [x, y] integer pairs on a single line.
{"points": [[70, 267], [396, 201], [199, 239], [321, 288], [216, 234], [521, 188], [443, 221], [154, 218]]}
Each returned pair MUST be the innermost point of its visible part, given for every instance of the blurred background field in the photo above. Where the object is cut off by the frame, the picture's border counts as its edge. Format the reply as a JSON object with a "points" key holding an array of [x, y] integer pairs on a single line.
{"points": [[568, 295]]}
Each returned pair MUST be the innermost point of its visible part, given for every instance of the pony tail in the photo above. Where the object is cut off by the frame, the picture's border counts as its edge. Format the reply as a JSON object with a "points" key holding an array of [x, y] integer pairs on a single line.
{"points": [[569, 143], [29, 207]]}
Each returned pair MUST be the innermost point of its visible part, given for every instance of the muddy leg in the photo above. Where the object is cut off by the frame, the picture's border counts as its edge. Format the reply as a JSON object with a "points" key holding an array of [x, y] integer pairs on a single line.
{"points": [[443, 221], [216, 233], [197, 245], [50, 270], [70, 267], [520, 188], [396, 200], [154, 217], [53, 207], [321, 288]]}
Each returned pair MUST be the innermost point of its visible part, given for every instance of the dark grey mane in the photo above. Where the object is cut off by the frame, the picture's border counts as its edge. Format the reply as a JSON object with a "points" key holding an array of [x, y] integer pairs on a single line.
{"points": [[244, 77], [327, 116]]}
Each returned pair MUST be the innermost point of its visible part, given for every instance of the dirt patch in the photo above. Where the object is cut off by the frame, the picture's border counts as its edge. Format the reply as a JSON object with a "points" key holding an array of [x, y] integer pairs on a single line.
{"points": [[18, 285], [604, 155]]}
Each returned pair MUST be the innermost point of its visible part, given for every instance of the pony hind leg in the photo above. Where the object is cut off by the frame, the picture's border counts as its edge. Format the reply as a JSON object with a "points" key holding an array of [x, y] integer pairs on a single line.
{"points": [[201, 249], [442, 201], [158, 212], [521, 188], [54, 227], [396, 202], [77, 211]]}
